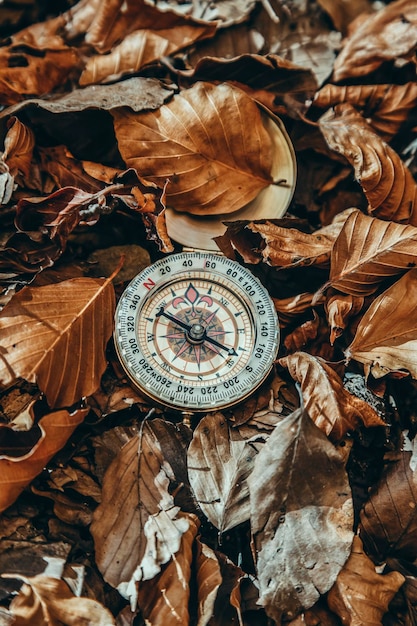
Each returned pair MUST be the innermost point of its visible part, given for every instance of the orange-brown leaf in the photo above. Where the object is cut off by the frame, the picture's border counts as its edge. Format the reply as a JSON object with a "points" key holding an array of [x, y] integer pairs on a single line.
{"points": [[360, 595], [331, 407], [56, 335], [343, 13], [18, 152], [390, 33], [201, 141], [340, 308], [386, 337], [17, 472], [291, 307], [301, 335], [369, 251], [385, 107], [386, 181]]}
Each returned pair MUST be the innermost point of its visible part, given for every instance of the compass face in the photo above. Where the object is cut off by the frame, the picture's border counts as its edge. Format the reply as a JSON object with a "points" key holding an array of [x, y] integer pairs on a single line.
{"points": [[196, 332]]}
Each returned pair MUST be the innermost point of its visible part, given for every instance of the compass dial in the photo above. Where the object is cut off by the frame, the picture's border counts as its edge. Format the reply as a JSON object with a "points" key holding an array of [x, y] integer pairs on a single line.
{"points": [[196, 332]]}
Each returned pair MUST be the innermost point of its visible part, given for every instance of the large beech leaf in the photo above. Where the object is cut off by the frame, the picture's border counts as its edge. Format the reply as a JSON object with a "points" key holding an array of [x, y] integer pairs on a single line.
{"points": [[137, 528], [56, 335], [301, 516], [369, 251], [388, 525], [331, 407], [386, 106], [389, 34], [219, 463], [386, 337], [18, 471], [47, 601], [387, 182], [360, 595], [216, 162]]}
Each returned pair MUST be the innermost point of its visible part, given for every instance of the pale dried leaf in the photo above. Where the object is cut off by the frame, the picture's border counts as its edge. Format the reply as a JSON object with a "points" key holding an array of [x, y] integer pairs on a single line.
{"points": [[391, 531], [201, 141], [360, 595], [385, 107], [18, 471], [385, 179], [369, 251], [137, 527], [389, 33], [47, 601], [219, 463], [386, 337], [209, 579], [164, 599], [331, 407], [339, 309], [301, 516], [40, 327]]}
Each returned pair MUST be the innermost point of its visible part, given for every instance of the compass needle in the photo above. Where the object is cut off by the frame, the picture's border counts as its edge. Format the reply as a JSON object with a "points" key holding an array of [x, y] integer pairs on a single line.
{"points": [[196, 332]]}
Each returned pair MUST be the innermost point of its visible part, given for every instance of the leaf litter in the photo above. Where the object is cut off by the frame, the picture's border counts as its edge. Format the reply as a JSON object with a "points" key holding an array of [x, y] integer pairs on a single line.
{"points": [[297, 506]]}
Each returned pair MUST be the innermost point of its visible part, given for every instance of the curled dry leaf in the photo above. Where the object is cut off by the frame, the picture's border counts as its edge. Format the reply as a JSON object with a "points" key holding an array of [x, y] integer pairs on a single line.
{"points": [[201, 141], [386, 337], [301, 516], [137, 528], [369, 251], [66, 171], [302, 334], [45, 601], [219, 463], [360, 595], [209, 579], [40, 327], [165, 598], [289, 308], [385, 107], [390, 33], [18, 153], [340, 308], [18, 471], [391, 530], [331, 407], [385, 179]]}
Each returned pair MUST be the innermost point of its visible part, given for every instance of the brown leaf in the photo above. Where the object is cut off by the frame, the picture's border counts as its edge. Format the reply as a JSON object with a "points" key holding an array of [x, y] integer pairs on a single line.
{"points": [[385, 107], [17, 472], [18, 154], [340, 308], [386, 337], [165, 598], [47, 601], [66, 171], [219, 463], [209, 579], [301, 335], [360, 595], [289, 308], [391, 530], [343, 13], [215, 161], [301, 516], [331, 407], [42, 325], [386, 181], [390, 33], [137, 527], [369, 251]]}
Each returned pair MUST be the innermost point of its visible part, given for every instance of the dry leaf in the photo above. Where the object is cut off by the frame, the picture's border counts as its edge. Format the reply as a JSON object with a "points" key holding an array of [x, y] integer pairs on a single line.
{"points": [[369, 251], [360, 595], [137, 528], [301, 516], [343, 13], [390, 33], [289, 308], [386, 337], [42, 325], [18, 471], [339, 309], [47, 601], [385, 107], [219, 463], [386, 181], [301, 335], [66, 171], [390, 530], [18, 153], [331, 407], [209, 579], [164, 599], [201, 141]]}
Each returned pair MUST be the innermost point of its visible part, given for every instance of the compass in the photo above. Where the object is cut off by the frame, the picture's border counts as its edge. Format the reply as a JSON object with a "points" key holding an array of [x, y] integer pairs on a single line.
{"points": [[196, 332]]}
